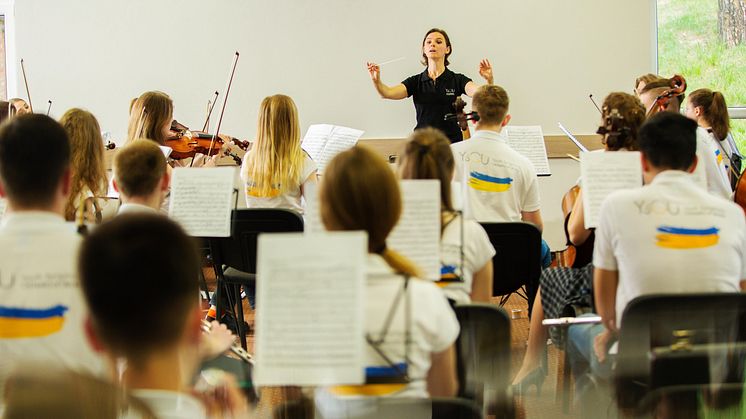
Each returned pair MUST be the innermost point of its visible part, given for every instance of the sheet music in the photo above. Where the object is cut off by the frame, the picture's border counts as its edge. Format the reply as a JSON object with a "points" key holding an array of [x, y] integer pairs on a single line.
{"points": [[310, 302], [323, 141], [312, 217], [202, 199], [529, 141], [603, 173], [417, 235], [572, 138], [166, 150]]}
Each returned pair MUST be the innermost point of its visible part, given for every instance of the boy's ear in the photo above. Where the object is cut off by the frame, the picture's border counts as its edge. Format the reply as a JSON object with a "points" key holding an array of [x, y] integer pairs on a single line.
{"points": [[91, 336], [506, 120]]}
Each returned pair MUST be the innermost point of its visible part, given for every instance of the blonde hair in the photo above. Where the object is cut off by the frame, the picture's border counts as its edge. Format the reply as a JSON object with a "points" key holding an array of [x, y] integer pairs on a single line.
{"points": [[139, 167], [427, 155], [275, 161], [360, 192], [86, 157], [148, 115]]}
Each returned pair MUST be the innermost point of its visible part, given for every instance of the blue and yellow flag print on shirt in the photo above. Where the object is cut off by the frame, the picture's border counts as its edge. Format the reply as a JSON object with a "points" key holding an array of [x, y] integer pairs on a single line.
{"points": [[686, 238], [29, 322], [485, 183]]}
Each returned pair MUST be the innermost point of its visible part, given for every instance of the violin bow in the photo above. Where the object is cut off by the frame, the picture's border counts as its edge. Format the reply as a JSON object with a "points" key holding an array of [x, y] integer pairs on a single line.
{"points": [[590, 96], [225, 101], [210, 107], [49, 108], [25, 81]]}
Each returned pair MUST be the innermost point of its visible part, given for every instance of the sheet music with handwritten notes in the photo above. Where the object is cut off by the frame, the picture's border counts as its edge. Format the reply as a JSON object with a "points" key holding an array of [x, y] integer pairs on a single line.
{"points": [[202, 199], [603, 173], [417, 235], [323, 141], [310, 302], [529, 141]]}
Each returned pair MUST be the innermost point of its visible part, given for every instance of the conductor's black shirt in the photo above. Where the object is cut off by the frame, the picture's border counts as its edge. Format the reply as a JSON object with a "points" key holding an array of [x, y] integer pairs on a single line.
{"points": [[433, 99]]}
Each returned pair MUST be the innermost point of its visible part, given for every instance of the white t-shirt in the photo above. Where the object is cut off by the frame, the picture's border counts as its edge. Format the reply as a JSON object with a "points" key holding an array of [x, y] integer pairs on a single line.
{"points": [[710, 168], [171, 404], [42, 309], [670, 236], [501, 183], [434, 328], [289, 200], [477, 252], [132, 208]]}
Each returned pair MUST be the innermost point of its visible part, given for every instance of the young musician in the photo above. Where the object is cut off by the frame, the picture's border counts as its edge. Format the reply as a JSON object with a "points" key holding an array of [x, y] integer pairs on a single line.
{"points": [[435, 90], [161, 348], [150, 117], [465, 250], [501, 183], [86, 164], [42, 309], [360, 192], [276, 169], [710, 172], [710, 111], [140, 177], [695, 245], [621, 117]]}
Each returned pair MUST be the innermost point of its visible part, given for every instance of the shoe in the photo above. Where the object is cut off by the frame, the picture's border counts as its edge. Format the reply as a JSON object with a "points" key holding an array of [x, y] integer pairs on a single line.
{"points": [[536, 378]]}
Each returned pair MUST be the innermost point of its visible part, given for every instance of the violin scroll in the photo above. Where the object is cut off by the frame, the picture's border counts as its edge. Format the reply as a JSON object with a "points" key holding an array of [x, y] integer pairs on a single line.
{"points": [[676, 89]]}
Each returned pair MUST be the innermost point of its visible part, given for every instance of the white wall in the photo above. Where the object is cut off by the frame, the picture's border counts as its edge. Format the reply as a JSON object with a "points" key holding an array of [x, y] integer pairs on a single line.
{"points": [[548, 54]]}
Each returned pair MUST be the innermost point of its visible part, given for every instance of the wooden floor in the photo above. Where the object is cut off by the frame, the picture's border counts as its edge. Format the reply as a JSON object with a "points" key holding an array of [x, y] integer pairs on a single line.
{"points": [[529, 407]]}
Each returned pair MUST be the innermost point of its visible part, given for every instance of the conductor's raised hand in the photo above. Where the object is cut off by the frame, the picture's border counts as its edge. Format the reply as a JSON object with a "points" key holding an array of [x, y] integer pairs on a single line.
{"points": [[375, 72], [485, 70]]}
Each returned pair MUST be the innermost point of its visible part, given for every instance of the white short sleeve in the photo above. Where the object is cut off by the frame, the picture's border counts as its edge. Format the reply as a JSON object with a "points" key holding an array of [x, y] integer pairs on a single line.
{"points": [[435, 314], [309, 167], [603, 249], [530, 201], [479, 244]]}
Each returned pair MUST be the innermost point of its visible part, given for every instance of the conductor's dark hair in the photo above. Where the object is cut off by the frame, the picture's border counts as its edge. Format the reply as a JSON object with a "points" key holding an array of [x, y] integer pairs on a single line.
{"points": [[34, 156], [448, 44], [668, 140], [143, 258]]}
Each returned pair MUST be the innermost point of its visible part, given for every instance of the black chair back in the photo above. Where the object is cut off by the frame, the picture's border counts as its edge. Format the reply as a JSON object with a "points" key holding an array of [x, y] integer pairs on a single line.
{"points": [[517, 260], [671, 339], [483, 355], [239, 250]]}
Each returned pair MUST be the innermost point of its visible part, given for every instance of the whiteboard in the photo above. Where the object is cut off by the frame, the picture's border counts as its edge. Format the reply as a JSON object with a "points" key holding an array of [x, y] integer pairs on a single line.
{"points": [[548, 54]]}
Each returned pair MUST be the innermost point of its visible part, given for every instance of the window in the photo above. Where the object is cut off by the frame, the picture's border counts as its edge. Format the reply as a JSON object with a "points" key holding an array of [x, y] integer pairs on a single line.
{"points": [[705, 41]]}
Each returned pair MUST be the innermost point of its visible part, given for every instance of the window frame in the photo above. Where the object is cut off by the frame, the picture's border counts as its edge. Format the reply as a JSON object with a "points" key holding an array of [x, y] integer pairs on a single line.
{"points": [[735, 112]]}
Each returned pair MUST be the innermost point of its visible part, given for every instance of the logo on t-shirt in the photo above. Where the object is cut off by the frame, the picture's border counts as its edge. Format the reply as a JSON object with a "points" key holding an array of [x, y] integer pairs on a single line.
{"points": [[719, 156], [686, 238], [30, 322], [253, 191], [450, 92], [486, 183]]}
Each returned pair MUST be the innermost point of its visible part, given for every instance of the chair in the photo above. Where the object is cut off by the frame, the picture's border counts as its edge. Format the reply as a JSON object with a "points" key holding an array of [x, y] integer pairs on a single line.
{"points": [[690, 401], [679, 339], [392, 408], [234, 257], [483, 356], [517, 260]]}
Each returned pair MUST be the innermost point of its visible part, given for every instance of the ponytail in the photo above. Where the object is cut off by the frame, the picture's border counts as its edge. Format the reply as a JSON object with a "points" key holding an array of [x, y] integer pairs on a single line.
{"points": [[714, 111], [401, 264], [718, 114], [427, 155]]}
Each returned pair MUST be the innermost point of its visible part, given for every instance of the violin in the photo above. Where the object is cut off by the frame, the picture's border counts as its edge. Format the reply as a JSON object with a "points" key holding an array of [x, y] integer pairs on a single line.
{"points": [[677, 88], [574, 256], [739, 194], [462, 117], [186, 143]]}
